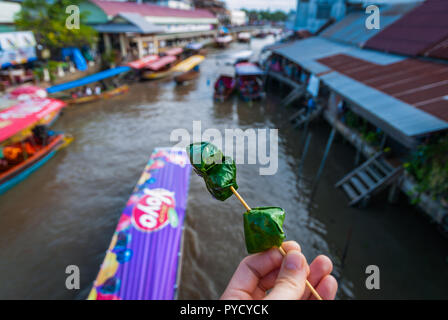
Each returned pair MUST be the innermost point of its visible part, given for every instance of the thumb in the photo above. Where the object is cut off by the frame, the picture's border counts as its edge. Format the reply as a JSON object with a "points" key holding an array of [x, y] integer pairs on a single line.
{"points": [[290, 283]]}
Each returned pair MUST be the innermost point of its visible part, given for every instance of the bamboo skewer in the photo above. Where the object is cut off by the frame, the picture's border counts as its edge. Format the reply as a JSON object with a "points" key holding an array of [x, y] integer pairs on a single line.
{"points": [[282, 251]]}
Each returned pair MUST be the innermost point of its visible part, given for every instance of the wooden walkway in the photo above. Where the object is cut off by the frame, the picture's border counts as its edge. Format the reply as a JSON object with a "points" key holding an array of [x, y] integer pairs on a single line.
{"points": [[369, 178]]}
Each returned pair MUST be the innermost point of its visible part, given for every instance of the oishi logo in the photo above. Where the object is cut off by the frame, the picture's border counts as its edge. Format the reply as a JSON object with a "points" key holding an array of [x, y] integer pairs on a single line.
{"points": [[154, 210]]}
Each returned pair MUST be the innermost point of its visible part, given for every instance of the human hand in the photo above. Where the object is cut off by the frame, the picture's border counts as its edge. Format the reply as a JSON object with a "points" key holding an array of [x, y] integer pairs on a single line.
{"points": [[286, 276]]}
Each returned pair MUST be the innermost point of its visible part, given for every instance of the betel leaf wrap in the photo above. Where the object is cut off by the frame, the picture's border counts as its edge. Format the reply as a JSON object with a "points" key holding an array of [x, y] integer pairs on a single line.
{"points": [[263, 228], [203, 156], [220, 178]]}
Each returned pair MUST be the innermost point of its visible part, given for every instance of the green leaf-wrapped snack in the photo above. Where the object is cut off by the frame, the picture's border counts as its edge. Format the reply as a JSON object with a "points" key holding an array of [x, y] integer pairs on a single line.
{"points": [[203, 156], [263, 228], [220, 178]]}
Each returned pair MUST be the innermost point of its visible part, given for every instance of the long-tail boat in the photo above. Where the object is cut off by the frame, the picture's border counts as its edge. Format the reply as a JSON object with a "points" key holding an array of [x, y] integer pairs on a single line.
{"points": [[223, 41], [194, 48], [244, 37], [25, 141], [249, 81], [143, 260], [160, 68], [188, 69], [100, 77]]}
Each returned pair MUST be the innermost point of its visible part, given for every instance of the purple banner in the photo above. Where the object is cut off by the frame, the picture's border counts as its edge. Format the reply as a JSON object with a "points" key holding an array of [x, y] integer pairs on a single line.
{"points": [[143, 257]]}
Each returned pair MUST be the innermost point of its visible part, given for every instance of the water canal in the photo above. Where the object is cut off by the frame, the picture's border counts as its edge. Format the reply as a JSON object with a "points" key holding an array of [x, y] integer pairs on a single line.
{"points": [[66, 212]]}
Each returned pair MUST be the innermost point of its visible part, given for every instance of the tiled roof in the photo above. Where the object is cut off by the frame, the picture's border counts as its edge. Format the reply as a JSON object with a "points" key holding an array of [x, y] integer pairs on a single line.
{"points": [[417, 31], [113, 8], [404, 97], [351, 29], [421, 84]]}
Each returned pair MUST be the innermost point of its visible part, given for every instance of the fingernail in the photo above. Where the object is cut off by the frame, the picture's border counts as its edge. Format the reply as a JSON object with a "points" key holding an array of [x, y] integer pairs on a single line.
{"points": [[293, 261]]}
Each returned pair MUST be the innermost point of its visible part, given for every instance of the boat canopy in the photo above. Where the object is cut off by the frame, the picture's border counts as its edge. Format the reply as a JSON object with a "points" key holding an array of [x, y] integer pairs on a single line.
{"points": [[243, 55], [144, 257], [25, 114], [174, 51], [224, 39], [194, 46], [247, 69], [188, 64], [141, 63], [89, 79], [162, 62]]}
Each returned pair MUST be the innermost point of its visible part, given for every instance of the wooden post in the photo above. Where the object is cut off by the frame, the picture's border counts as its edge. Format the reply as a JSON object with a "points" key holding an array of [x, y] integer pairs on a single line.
{"points": [[123, 45], [107, 45], [324, 158], [305, 151]]}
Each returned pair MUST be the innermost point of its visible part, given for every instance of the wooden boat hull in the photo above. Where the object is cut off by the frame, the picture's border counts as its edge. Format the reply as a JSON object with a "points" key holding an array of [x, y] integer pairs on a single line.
{"points": [[156, 75], [21, 171], [187, 76], [104, 95]]}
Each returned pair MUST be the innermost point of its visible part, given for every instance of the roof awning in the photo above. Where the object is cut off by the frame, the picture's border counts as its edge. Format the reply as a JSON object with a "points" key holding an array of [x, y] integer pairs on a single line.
{"points": [[162, 62], [398, 118], [89, 79], [24, 114], [129, 22], [141, 63], [247, 69], [188, 63]]}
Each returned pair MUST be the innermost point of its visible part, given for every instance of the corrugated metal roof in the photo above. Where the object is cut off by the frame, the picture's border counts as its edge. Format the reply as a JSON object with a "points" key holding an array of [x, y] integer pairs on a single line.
{"points": [[352, 28], [418, 84], [306, 53], [420, 29], [372, 80], [136, 24], [113, 8]]}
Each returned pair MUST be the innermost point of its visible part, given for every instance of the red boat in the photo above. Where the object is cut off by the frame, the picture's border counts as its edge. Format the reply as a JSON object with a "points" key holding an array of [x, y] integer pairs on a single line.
{"points": [[224, 87], [249, 81]]}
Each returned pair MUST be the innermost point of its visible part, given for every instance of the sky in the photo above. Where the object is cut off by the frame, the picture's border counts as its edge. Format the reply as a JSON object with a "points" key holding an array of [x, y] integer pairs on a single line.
{"points": [[284, 5]]}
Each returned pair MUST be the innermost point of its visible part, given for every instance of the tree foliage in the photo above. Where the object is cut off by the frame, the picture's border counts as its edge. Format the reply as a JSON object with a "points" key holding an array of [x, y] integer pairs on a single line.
{"points": [[265, 15], [47, 20]]}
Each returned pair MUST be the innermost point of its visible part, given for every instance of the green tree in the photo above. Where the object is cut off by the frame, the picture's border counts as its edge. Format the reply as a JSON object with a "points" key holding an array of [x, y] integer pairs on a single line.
{"points": [[47, 20]]}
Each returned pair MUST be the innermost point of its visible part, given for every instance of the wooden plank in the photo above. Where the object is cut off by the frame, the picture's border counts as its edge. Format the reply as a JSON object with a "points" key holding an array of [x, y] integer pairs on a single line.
{"points": [[297, 114], [349, 191], [366, 179], [352, 173], [373, 173], [382, 183], [381, 167], [386, 164], [358, 185]]}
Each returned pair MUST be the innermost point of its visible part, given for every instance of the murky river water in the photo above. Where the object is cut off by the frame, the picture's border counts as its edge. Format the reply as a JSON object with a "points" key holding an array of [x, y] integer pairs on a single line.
{"points": [[66, 212]]}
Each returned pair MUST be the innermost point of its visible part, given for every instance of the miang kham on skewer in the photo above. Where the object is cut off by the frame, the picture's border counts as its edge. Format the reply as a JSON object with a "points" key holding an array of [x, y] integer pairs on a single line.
{"points": [[263, 226]]}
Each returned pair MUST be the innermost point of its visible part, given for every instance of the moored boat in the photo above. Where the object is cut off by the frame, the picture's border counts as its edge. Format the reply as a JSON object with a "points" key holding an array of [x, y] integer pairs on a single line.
{"points": [[224, 87], [244, 37], [187, 76], [143, 260], [103, 86], [223, 41], [159, 69], [249, 81], [26, 143], [188, 69], [194, 48]]}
